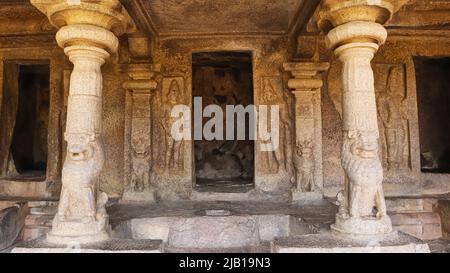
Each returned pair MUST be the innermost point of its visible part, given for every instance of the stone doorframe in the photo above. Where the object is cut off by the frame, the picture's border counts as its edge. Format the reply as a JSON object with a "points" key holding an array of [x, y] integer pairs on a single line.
{"points": [[54, 58]]}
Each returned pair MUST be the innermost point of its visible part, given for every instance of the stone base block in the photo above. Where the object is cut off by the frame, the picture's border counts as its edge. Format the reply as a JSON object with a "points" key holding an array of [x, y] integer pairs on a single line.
{"points": [[138, 197], [334, 243], [82, 239], [362, 226], [443, 209], [211, 232], [109, 246], [401, 205], [207, 232], [24, 189], [302, 197], [425, 226], [33, 232]]}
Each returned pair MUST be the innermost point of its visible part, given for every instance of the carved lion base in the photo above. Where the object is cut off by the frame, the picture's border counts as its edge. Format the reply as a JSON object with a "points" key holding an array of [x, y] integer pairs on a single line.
{"points": [[362, 226]]}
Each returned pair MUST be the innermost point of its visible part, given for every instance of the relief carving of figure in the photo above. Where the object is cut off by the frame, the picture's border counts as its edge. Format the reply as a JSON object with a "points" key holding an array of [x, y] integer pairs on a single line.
{"points": [[82, 167], [173, 158], [276, 159], [304, 166], [140, 166], [392, 112], [363, 190]]}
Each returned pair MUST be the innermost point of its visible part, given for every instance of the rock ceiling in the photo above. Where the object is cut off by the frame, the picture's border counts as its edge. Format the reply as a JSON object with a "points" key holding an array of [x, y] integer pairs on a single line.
{"points": [[221, 16], [203, 17]]}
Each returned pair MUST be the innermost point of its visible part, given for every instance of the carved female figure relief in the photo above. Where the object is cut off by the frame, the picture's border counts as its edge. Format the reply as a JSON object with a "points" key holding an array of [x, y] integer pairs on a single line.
{"points": [[273, 94], [392, 113], [273, 157], [173, 157]]}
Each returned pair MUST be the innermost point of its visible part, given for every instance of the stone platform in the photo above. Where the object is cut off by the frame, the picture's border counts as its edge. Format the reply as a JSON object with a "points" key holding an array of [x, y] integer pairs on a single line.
{"points": [[218, 225], [219, 232], [330, 242], [110, 246]]}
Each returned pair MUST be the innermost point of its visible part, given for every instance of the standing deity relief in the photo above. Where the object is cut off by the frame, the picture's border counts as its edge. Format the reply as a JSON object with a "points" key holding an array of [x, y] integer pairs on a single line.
{"points": [[392, 112], [273, 93], [171, 151]]}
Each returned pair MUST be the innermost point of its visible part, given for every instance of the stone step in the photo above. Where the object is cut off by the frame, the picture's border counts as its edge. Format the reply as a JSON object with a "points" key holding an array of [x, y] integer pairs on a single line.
{"points": [[425, 226], [43, 210], [408, 205], [35, 204], [444, 211], [109, 246], [263, 248], [33, 232], [329, 242], [206, 232], [39, 220]]}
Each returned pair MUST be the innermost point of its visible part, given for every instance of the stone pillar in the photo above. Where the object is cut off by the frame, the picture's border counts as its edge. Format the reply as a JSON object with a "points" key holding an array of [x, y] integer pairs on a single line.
{"points": [[355, 33], [306, 86], [88, 34], [139, 187]]}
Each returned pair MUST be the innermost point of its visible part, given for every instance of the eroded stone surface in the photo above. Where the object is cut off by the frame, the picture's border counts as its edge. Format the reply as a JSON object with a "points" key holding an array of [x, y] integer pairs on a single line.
{"points": [[332, 243], [12, 221], [110, 246]]}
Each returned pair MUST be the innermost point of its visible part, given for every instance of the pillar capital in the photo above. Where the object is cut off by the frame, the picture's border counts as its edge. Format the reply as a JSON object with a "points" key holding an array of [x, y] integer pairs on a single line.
{"points": [[333, 13], [142, 77], [305, 75], [107, 14]]}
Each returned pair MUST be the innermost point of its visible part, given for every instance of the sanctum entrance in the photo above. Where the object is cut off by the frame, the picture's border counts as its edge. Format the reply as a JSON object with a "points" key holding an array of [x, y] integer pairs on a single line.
{"points": [[25, 125], [221, 79]]}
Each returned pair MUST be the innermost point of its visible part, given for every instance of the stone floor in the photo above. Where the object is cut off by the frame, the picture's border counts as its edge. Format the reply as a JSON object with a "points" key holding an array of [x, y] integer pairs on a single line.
{"points": [[439, 246], [111, 246], [320, 214]]}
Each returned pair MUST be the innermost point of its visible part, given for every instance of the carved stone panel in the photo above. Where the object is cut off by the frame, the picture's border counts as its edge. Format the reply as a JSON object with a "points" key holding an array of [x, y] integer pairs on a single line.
{"points": [[170, 152], [140, 142], [273, 94]]}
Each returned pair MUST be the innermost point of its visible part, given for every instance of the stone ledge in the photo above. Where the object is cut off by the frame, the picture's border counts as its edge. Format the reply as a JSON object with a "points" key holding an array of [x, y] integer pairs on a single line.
{"points": [[333, 243], [110, 246], [410, 205]]}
